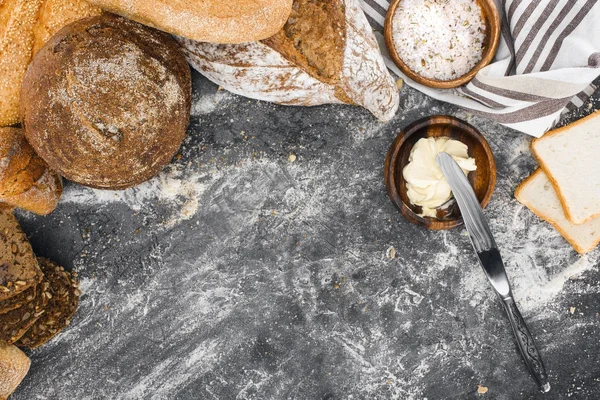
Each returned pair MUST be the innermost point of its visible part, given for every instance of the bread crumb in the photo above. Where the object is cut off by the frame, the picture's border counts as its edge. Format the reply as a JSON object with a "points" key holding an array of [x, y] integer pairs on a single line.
{"points": [[292, 157], [481, 389], [572, 310], [391, 253], [399, 83]]}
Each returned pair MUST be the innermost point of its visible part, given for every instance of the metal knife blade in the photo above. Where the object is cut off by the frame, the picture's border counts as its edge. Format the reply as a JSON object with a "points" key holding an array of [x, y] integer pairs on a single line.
{"points": [[491, 262]]}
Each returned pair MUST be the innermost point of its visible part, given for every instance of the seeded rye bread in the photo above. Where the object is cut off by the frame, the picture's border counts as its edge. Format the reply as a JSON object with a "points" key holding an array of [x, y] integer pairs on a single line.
{"points": [[14, 365], [15, 323], [25, 179], [19, 269], [217, 21], [106, 101], [25, 25], [64, 298], [325, 53], [18, 300]]}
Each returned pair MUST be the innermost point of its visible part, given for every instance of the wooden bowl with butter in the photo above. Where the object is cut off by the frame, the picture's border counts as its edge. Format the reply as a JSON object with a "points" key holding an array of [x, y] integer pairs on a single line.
{"points": [[487, 42], [483, 178]]}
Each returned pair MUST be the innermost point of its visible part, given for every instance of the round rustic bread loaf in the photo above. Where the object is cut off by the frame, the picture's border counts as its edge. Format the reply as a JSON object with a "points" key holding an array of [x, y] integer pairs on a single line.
{"points": [[106, 101]]}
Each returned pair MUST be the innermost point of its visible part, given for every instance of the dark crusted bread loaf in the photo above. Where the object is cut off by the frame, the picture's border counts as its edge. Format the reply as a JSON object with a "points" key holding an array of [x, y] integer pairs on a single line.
{"points": [[325, 53], [19, 270], [25, 179], [106, 101], [62, 304]]}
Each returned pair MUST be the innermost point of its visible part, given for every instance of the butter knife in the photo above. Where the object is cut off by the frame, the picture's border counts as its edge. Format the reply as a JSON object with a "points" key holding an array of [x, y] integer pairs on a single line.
{"points": [[491, 261]]}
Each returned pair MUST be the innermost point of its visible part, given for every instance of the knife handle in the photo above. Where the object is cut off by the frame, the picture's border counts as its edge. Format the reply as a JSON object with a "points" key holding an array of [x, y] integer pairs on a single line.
{"points": [[529, 350]]}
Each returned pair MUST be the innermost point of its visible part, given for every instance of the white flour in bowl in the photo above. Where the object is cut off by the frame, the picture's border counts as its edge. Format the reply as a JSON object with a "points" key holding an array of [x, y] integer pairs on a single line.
{"points": [[439, 39]]}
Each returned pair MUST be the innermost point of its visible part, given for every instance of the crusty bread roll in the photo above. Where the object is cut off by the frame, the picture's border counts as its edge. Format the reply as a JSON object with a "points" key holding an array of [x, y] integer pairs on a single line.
{"points": [[14, 365], [24, 26], [25, 180], [106, 101], [325, 53], [217, 21]]}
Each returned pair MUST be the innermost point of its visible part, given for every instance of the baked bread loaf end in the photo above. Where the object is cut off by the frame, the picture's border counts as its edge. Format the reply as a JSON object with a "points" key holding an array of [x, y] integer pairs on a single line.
{"points": [[14, 365]]}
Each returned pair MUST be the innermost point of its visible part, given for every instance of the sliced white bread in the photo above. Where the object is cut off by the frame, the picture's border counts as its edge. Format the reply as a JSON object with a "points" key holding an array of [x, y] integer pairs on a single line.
{"points": [[570, 158], [537, 193]]}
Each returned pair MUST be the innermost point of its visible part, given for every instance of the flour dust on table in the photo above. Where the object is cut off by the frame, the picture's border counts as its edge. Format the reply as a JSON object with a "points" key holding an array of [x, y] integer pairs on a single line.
{"points": [[239, 274]]}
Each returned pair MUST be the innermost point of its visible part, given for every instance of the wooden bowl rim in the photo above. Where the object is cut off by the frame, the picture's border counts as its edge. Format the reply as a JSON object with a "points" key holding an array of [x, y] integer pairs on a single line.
{"points": [[392, 159], [488, 55]]}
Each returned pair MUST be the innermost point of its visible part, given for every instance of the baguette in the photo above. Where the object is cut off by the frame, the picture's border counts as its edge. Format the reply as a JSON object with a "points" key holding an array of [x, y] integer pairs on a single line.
{"points": [[325, 53], [218, 21]]}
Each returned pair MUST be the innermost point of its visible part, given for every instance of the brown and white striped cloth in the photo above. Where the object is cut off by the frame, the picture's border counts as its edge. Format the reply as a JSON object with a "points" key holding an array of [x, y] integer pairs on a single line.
{"points": [[548, 56]]}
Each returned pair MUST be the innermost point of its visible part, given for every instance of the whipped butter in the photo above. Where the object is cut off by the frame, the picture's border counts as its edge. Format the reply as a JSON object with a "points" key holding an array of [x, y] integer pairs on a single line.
{"points": [[426, 185]]}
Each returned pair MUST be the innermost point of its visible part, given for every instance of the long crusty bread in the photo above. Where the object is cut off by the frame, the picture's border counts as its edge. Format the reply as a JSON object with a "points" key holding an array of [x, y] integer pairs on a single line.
{"points": [[25, 25], [537, 193], [217, 21], [325, 53], [14, 365], [569, 156]]}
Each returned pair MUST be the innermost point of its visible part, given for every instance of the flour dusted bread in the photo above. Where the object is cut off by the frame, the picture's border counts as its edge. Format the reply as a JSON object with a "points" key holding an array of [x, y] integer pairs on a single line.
{"points": [[25, 179], [570, 158], [106, 101], [538, 194], [14, 365], [19, 270], [25, 25], [218, 21], [325, 53]]}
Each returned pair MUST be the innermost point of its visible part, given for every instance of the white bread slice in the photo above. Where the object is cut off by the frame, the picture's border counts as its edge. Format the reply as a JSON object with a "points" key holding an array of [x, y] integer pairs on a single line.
{"points": [[570, 158], [537, 193]]}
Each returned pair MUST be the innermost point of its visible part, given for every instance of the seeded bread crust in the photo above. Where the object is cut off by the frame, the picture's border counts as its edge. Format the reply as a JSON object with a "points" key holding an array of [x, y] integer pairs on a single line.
{"points": [[25, 179], [64, 290], [106, 102], [24, 26], [19, 269], [14, 365]]}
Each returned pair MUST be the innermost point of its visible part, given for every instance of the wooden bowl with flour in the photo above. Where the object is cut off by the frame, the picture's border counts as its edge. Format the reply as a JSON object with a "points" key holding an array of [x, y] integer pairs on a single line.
{"points": [[490, 32]]}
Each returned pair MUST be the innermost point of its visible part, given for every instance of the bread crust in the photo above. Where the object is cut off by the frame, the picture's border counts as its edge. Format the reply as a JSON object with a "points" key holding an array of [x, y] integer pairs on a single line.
{"points": [[24, 26], [106, 101], [543, 165], [284, 70], [25, 179], [551, 221], [215, 21], [14, 365]]}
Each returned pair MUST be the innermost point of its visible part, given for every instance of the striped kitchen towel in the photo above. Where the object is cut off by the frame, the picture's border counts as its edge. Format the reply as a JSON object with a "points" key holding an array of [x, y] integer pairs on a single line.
{"points": [[548, 56]]}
